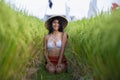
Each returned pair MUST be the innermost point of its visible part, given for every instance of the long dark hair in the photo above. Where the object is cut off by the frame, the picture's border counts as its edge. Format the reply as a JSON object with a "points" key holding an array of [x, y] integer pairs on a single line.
{"points": [[50, 28]]}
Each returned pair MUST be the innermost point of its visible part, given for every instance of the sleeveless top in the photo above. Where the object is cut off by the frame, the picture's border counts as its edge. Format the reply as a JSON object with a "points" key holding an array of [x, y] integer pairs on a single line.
{"points": [[54, 44]]}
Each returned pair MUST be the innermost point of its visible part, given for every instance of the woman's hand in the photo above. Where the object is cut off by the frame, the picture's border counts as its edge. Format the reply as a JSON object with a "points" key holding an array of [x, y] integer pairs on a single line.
{"points": [[59, 68], [59, 65], [49, 64]]}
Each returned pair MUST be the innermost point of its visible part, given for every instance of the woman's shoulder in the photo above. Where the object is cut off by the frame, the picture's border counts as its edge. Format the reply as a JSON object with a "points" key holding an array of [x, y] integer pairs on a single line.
{"points": [[46, 36], [64, 34]]}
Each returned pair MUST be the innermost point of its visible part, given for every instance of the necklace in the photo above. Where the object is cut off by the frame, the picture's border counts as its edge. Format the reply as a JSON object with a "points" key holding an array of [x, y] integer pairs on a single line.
{"points": [[54, 37]]}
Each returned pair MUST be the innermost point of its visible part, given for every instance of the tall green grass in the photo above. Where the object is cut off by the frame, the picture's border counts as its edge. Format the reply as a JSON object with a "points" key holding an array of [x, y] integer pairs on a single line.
{"points": [[93, 45], [21, 38], [96, 45]]}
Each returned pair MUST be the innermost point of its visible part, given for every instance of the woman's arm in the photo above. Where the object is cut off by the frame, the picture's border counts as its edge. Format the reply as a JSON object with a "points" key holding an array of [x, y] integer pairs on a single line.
{"points": [[45, 49], [64, 41]]}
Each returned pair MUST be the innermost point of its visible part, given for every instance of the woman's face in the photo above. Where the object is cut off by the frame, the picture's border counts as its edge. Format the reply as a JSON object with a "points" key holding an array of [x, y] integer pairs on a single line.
{"points": [[55, 24]]}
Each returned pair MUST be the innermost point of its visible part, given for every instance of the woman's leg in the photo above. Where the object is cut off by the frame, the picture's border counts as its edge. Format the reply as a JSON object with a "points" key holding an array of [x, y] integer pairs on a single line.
{"points": [[60, 68], [50, 68]]}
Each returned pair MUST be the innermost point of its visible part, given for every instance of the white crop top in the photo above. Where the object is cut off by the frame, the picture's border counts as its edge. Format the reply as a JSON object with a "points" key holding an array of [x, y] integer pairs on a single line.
{"points": [[51, 45], [54, 44]]}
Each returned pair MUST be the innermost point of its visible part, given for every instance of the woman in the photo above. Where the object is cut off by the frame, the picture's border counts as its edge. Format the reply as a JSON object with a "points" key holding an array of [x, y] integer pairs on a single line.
{"points": [[54, 44]]}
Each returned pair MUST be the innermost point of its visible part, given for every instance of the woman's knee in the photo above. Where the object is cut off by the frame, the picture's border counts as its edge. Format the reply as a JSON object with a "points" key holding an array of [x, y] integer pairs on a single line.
{"points": [[50, 69], [60, 69]]}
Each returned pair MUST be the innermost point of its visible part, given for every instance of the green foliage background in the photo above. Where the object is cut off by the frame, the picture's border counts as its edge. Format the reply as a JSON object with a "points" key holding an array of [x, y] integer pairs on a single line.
{"points": [[93, 45]]}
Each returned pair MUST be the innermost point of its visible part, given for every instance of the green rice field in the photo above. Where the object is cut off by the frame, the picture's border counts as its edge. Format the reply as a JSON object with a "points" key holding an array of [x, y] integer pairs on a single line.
{"points": [[92, 51]]}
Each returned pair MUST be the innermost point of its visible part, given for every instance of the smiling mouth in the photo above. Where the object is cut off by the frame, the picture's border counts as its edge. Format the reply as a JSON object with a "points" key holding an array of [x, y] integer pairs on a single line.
{"points": [[55, 26]]}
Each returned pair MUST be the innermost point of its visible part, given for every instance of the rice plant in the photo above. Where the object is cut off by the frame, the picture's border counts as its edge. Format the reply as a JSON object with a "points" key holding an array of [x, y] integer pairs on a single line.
{"points": [[21, 38], [93, 49], [96, 45]]}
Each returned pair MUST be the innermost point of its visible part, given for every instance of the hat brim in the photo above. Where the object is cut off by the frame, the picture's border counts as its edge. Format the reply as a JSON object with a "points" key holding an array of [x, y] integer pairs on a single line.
{"points": [[63, 19]]}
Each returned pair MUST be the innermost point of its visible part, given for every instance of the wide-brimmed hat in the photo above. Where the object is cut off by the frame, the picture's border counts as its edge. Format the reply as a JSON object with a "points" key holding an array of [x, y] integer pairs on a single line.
{"points": [[63, 19]]}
